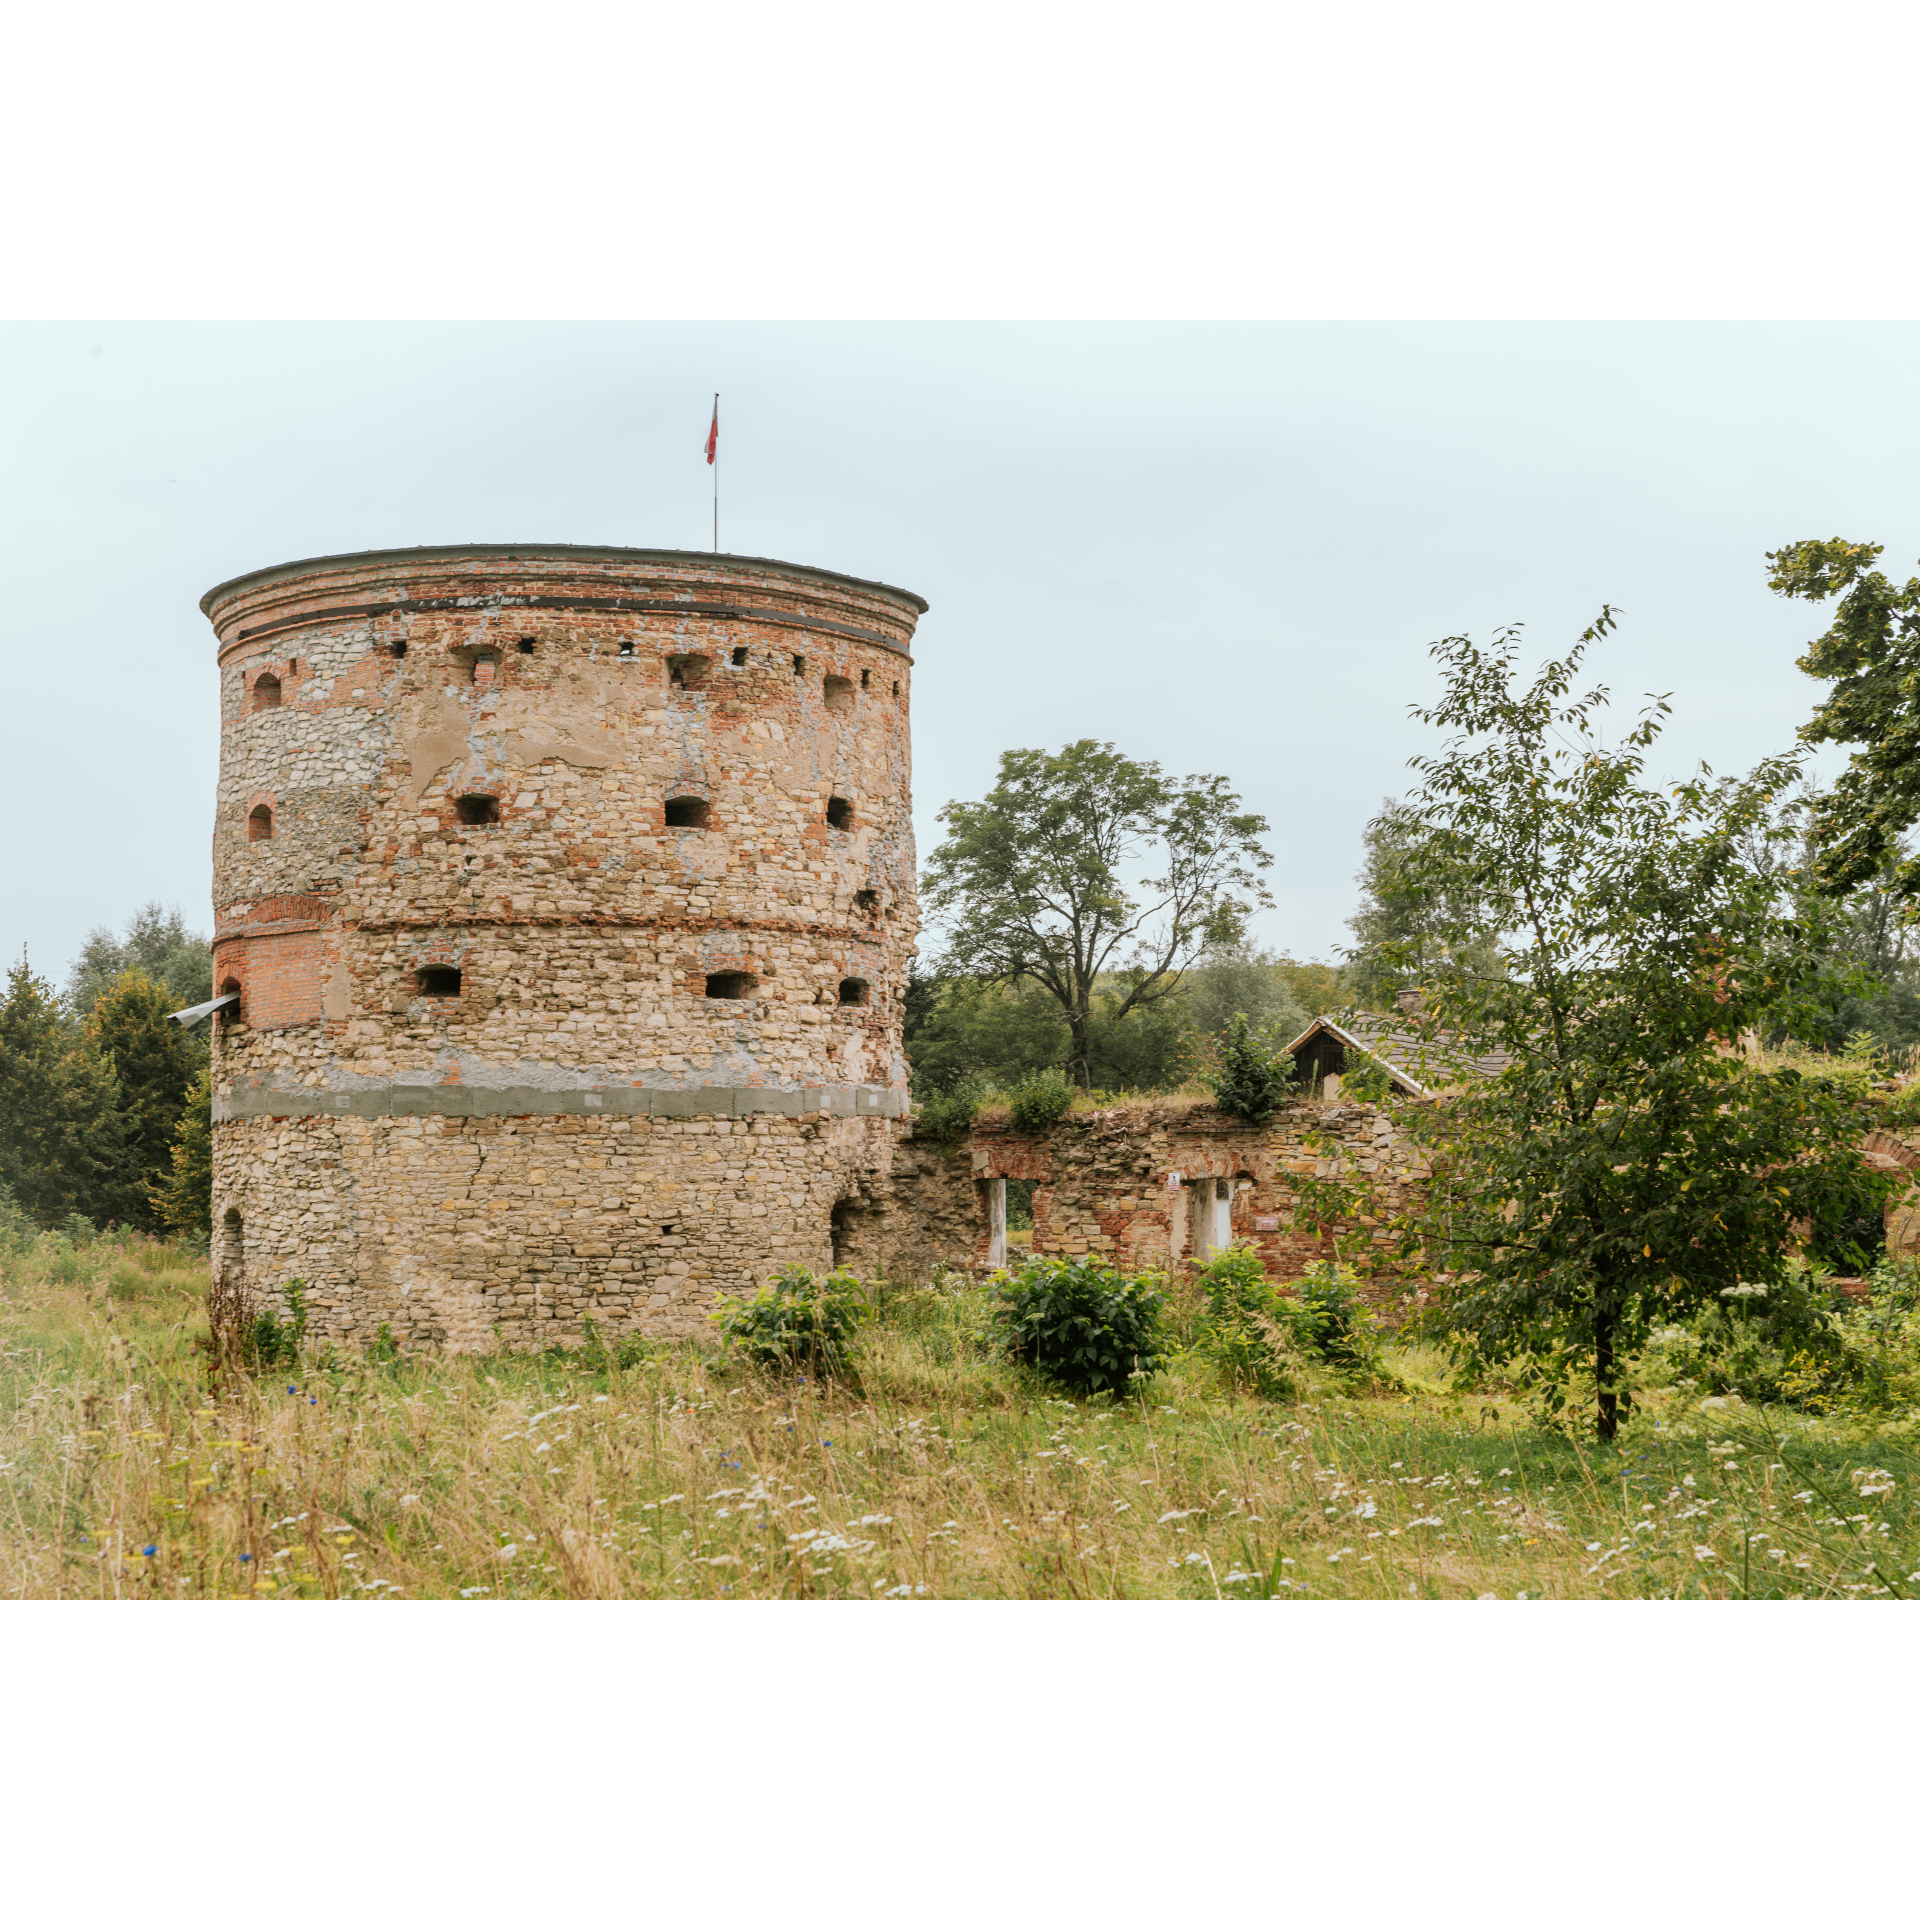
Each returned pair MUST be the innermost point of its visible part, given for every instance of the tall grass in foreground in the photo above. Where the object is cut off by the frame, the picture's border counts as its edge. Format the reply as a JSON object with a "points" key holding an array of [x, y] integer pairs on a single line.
{"points": [[938, 1472]]}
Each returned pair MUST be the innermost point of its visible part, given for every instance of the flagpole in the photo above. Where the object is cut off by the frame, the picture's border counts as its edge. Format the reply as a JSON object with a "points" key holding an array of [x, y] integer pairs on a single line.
{"points": [[716, 473]]}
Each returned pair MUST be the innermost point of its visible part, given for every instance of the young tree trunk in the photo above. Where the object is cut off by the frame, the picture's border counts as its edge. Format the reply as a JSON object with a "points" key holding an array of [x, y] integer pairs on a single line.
{"points": [[1607, 1425], [1079, 1021]]}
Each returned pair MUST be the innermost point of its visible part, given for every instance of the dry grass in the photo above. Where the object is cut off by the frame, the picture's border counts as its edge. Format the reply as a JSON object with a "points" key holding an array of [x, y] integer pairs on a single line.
{"points": [[940, 1473], [996, 1106]]}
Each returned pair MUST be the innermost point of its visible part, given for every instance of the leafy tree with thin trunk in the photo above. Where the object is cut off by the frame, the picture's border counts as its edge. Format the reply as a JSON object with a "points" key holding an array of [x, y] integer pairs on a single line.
{"points": [[62, 1148], [1032, 883], [1630, 1164]]}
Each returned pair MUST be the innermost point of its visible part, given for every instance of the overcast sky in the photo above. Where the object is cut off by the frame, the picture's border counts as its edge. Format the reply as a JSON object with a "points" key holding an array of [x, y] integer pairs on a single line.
{"points": [[1224, 547]]}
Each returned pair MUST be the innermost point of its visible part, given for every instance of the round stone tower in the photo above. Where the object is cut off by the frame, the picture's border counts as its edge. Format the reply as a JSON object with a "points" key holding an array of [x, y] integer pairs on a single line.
{"points": [[568, 894]]}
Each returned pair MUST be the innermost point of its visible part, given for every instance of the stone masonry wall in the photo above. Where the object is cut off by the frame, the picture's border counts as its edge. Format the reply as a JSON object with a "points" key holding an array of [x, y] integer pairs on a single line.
{"points": [[566, 889], [1126, 1183]]}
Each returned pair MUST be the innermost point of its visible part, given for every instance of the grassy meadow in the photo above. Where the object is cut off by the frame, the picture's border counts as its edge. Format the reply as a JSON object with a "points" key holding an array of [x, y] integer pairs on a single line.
{"points": [[939, 1472]]}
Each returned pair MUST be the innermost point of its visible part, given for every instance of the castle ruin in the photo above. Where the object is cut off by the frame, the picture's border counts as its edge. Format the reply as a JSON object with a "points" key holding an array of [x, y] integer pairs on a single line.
{"points": [[567, 895]]}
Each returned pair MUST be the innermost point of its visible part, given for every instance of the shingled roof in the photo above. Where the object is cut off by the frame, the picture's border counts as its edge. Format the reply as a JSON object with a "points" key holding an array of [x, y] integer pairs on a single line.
{"points": [[1419, 1060]]}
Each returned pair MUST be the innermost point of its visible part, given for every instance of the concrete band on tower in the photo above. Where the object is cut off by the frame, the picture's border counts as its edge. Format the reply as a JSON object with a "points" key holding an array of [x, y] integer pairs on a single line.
{"points": [[569, 895]]}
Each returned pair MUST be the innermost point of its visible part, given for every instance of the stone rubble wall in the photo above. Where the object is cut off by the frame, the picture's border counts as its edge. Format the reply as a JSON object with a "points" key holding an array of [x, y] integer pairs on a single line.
{"points": [[465, 1232], [579, 1128], [1105, 1183]]}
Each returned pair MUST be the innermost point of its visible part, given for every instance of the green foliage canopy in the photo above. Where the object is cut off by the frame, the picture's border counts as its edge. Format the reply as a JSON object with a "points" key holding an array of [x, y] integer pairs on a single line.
{"points": [[1252, 1078], [1030, 882], [154, 1062], [1872, 654], [182, 1195], [62, 1146], [158, 942], [1628, 1165]]}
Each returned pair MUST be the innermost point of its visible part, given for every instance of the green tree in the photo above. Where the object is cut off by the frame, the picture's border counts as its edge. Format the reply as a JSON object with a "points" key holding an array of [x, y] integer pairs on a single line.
{"points": [[1398, 911], [183, 1195], [995, 1032], [1032, 883], [158, 942], [154, 1061], [62, 1149], [1629, 1165], [1244, 981], [1872, 655], [1870, 978]]}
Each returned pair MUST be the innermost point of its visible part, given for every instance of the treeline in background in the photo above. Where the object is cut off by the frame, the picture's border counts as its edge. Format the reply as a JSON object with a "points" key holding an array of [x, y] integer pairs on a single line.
{"points": [[965, 1031], [104, 1101]]}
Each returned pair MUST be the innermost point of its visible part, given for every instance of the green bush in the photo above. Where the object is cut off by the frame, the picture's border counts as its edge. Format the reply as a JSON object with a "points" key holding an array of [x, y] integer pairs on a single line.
{"points": [[1366, 1079], [798, 1320], [1039, 1101], [1327, 1310], [270, 1342], [1244, 1329], [943, 1115], [1251, 1079], [1780, 1343], [1081, 1324]]}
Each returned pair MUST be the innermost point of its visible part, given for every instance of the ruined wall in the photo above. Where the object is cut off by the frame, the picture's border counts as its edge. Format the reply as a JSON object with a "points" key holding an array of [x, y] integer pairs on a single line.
{"points": [[1128, 1184], [494, 827]]}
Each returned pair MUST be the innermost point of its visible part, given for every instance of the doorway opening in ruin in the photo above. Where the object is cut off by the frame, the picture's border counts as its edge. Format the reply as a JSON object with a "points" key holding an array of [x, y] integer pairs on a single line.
{"points": [[853, 1228], [439, 983], [231, 1016], [839, 692], [260, 824], [233, 1240], [1210, 1217], [840, 815], [484, 663], [477, 810], [687, 671], [731, 986], [688, 810], [1020, 1197], [266, 692], [853, 993]]}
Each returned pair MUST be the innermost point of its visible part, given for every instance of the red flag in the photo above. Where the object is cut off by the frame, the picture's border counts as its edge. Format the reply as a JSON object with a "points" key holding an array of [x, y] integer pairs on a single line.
{"points": [[713, 432]]}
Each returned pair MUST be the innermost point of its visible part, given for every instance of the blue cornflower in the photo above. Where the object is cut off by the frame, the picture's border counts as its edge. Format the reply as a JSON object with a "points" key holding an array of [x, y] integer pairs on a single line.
{"points": [[293, 1389], [244, 1558], [311, 1401], [826, 1443], [147, 1553]]}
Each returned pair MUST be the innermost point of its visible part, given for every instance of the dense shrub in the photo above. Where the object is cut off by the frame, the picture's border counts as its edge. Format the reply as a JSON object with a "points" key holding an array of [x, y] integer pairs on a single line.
{"points": [[1327, 1310], [1366, 1078], [1780, 1343], [945, 1114], [1081, 1324], [1251, 1079], [1243, 1329], [1039, 1101], [798, 1319]]}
